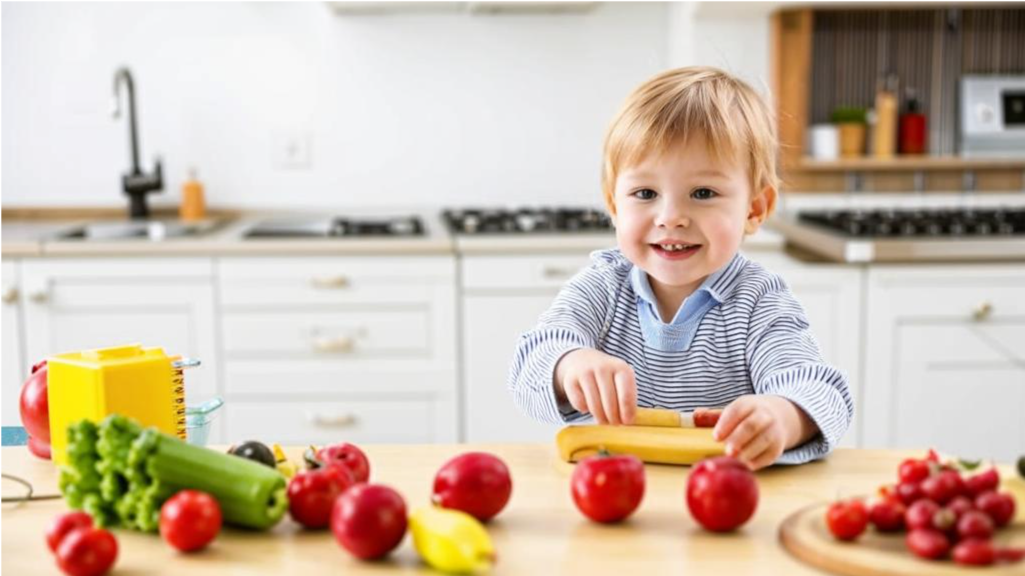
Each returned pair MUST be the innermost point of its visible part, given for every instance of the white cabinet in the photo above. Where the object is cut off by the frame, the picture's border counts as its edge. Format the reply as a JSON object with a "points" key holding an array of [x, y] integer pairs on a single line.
{"points": [[77, 304], [831, 295], [503, 297], [325, 349], [14, 370], [945, 359]]}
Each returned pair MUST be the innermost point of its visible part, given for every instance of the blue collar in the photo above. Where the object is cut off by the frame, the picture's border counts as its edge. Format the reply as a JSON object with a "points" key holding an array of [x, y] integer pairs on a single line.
{"points": [[676, 336]]}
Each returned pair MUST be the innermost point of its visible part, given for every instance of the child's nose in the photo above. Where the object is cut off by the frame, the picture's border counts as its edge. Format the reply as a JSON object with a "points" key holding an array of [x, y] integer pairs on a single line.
{"points": [[673, 215]]}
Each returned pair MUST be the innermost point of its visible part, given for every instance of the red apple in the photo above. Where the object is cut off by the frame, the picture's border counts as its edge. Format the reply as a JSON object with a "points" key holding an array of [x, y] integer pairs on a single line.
{"points": [[348, 455], [35, 411], [369, 520], [477, 483], [722, 493], [608, 488]]}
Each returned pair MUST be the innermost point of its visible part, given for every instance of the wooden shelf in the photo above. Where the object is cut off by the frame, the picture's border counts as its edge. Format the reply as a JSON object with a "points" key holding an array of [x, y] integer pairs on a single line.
{"points": [[910, 164]]}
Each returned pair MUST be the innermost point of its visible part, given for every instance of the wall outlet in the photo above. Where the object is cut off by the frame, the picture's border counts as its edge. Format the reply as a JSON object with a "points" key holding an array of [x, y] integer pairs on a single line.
{"points": [[293, 150]]}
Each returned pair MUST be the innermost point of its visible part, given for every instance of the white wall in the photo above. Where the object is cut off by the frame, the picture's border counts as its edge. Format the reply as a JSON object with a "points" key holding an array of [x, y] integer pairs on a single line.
{"points": [[436, 109]]}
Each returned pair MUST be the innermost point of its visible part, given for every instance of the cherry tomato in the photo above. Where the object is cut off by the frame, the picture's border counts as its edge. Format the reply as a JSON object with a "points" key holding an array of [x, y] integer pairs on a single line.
{"points": [[348, 455], [722, 493], [927, 543], [920, 514], [608, 488], [999, 506], [64, 524], [847, 519], [476, 483], [312, 494], [887, 515], [982, 482], [975, 524], [87, 552], [975, 552], [913, 470], [909, 492], [943, 486], [190, 520]]}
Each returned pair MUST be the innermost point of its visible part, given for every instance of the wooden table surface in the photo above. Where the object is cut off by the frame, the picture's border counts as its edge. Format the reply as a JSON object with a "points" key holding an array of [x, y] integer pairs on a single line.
{"points": [[540, 531]]}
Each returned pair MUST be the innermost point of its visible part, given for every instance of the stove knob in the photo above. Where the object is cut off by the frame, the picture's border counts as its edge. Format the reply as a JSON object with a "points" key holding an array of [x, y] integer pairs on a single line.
{"points": [[471, 223], [526, 222], [401, 227], [957, 228]]}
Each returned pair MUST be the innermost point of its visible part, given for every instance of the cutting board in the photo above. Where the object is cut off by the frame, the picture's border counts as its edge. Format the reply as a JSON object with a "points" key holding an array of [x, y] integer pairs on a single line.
{"points": [[804, 534]]}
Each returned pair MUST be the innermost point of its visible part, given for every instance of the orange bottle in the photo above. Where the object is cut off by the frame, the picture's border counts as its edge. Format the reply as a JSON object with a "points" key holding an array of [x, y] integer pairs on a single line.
{"points": [[193, 206]]}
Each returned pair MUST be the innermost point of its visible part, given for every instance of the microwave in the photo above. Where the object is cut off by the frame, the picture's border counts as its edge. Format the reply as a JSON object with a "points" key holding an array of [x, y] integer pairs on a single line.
{"points": [[993, 116]]}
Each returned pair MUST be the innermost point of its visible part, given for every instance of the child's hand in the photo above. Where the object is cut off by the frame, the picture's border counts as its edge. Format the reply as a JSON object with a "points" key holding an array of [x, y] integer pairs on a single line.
{"points": [[597, 383], [757, 429]]}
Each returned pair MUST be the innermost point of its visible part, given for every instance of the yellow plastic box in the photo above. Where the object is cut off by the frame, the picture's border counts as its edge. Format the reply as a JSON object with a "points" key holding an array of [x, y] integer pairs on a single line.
{"points": [[141, 383]]}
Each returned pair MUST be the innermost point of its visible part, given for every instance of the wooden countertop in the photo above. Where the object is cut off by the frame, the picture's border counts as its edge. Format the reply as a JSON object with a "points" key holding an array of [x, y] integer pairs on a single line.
{"points": [[540, 529]]}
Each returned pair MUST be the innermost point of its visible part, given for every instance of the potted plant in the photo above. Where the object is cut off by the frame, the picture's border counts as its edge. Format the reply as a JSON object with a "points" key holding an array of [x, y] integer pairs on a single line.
{"points": [[851, 122]]}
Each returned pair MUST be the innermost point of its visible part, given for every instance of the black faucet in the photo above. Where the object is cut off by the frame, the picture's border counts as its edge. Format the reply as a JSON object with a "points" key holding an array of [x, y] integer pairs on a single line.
{"points": [[136, 183]]}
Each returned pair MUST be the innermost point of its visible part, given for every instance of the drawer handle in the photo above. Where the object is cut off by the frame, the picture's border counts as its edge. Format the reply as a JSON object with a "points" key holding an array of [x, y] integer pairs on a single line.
{"points": [[982, 311], [336, 345], [331, 420], [39, 296], [330, 282], [553, 273], [10, 295]]}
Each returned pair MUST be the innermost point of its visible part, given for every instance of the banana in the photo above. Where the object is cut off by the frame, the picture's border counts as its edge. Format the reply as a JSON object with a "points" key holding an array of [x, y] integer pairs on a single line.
{"points": [[283, 464], [653, 444], [451, 540]]}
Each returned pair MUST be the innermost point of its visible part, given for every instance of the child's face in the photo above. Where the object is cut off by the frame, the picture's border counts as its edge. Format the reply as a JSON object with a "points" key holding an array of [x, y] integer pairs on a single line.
{"points": [[684, 198]]}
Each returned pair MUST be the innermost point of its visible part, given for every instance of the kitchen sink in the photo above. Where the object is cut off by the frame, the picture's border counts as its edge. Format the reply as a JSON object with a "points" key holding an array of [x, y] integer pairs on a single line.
{"points": [[145, 230]]}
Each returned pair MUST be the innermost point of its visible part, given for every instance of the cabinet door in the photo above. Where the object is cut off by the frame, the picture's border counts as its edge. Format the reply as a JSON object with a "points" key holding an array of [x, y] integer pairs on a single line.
{"points": [[96, 303], [14, 372], [946, 361], [491, 326], [832, 299]]}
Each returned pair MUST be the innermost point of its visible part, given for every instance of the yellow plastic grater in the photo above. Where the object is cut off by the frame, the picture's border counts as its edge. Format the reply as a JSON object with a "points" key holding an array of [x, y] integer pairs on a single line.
{"points": [[141, 383]]}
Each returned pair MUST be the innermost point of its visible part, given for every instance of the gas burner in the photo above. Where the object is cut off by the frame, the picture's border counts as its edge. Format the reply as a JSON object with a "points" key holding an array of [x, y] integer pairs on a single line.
{"points": [[921, 223], [526, 221], [338, 227]]}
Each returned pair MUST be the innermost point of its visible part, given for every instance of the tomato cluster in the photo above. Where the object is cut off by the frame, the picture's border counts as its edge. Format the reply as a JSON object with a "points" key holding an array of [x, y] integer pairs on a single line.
{"points": [[81, 549], [944, 512]]}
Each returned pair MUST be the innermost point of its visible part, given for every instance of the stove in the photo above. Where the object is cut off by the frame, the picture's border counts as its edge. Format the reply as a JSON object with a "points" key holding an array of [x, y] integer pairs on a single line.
{"points": [[526, 221], [401, 226], [920, 223], [909, 234]]}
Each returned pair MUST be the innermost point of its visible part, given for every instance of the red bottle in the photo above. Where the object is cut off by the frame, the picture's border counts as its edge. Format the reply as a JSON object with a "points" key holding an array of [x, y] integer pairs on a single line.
{"points": [[912, 129]]}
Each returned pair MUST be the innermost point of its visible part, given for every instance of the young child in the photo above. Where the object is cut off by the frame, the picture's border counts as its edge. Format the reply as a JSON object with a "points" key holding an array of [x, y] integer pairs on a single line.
{"points": [[676, 317]]}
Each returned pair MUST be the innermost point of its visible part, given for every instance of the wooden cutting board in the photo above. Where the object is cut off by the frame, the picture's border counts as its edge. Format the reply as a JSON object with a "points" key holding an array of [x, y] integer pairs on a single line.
{"points": [[804, 534]]}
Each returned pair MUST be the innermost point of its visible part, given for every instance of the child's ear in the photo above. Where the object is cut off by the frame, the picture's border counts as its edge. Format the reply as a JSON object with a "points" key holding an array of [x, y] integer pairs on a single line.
{"points": [[762, 205]]}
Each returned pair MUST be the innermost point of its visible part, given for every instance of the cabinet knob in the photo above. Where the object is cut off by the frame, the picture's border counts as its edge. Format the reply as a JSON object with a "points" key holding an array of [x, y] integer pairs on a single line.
{"points": [[335, 345], [983, 311], [330, 281], [331, 420], [39, 296], [10, 295], [555, 273]]}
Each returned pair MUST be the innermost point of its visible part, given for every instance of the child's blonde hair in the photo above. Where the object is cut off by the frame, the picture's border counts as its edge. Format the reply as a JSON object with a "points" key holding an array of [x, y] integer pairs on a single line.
{"points": [[734, 119]]}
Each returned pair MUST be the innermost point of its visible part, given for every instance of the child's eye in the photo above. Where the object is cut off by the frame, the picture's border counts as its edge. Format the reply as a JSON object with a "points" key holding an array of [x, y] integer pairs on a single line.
{"points": [[645, 194], [704, 194]]}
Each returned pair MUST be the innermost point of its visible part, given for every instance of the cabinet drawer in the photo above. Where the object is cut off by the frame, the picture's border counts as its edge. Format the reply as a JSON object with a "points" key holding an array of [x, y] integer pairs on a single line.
{"points": [[513, 272], [359, 421], [319, 281], [345, 334]]}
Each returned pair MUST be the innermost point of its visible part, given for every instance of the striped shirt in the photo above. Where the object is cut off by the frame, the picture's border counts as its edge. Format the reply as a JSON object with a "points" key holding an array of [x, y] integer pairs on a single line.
{"points": [[742, 332]]}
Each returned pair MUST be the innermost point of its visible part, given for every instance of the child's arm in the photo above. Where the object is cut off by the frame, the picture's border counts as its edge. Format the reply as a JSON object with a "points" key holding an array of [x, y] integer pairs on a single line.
{"points": [[575, 321], [802, 405]]}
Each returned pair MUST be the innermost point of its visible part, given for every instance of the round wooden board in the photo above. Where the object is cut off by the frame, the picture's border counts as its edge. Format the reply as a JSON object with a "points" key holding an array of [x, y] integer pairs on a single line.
{"points": [[804, 534]]}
